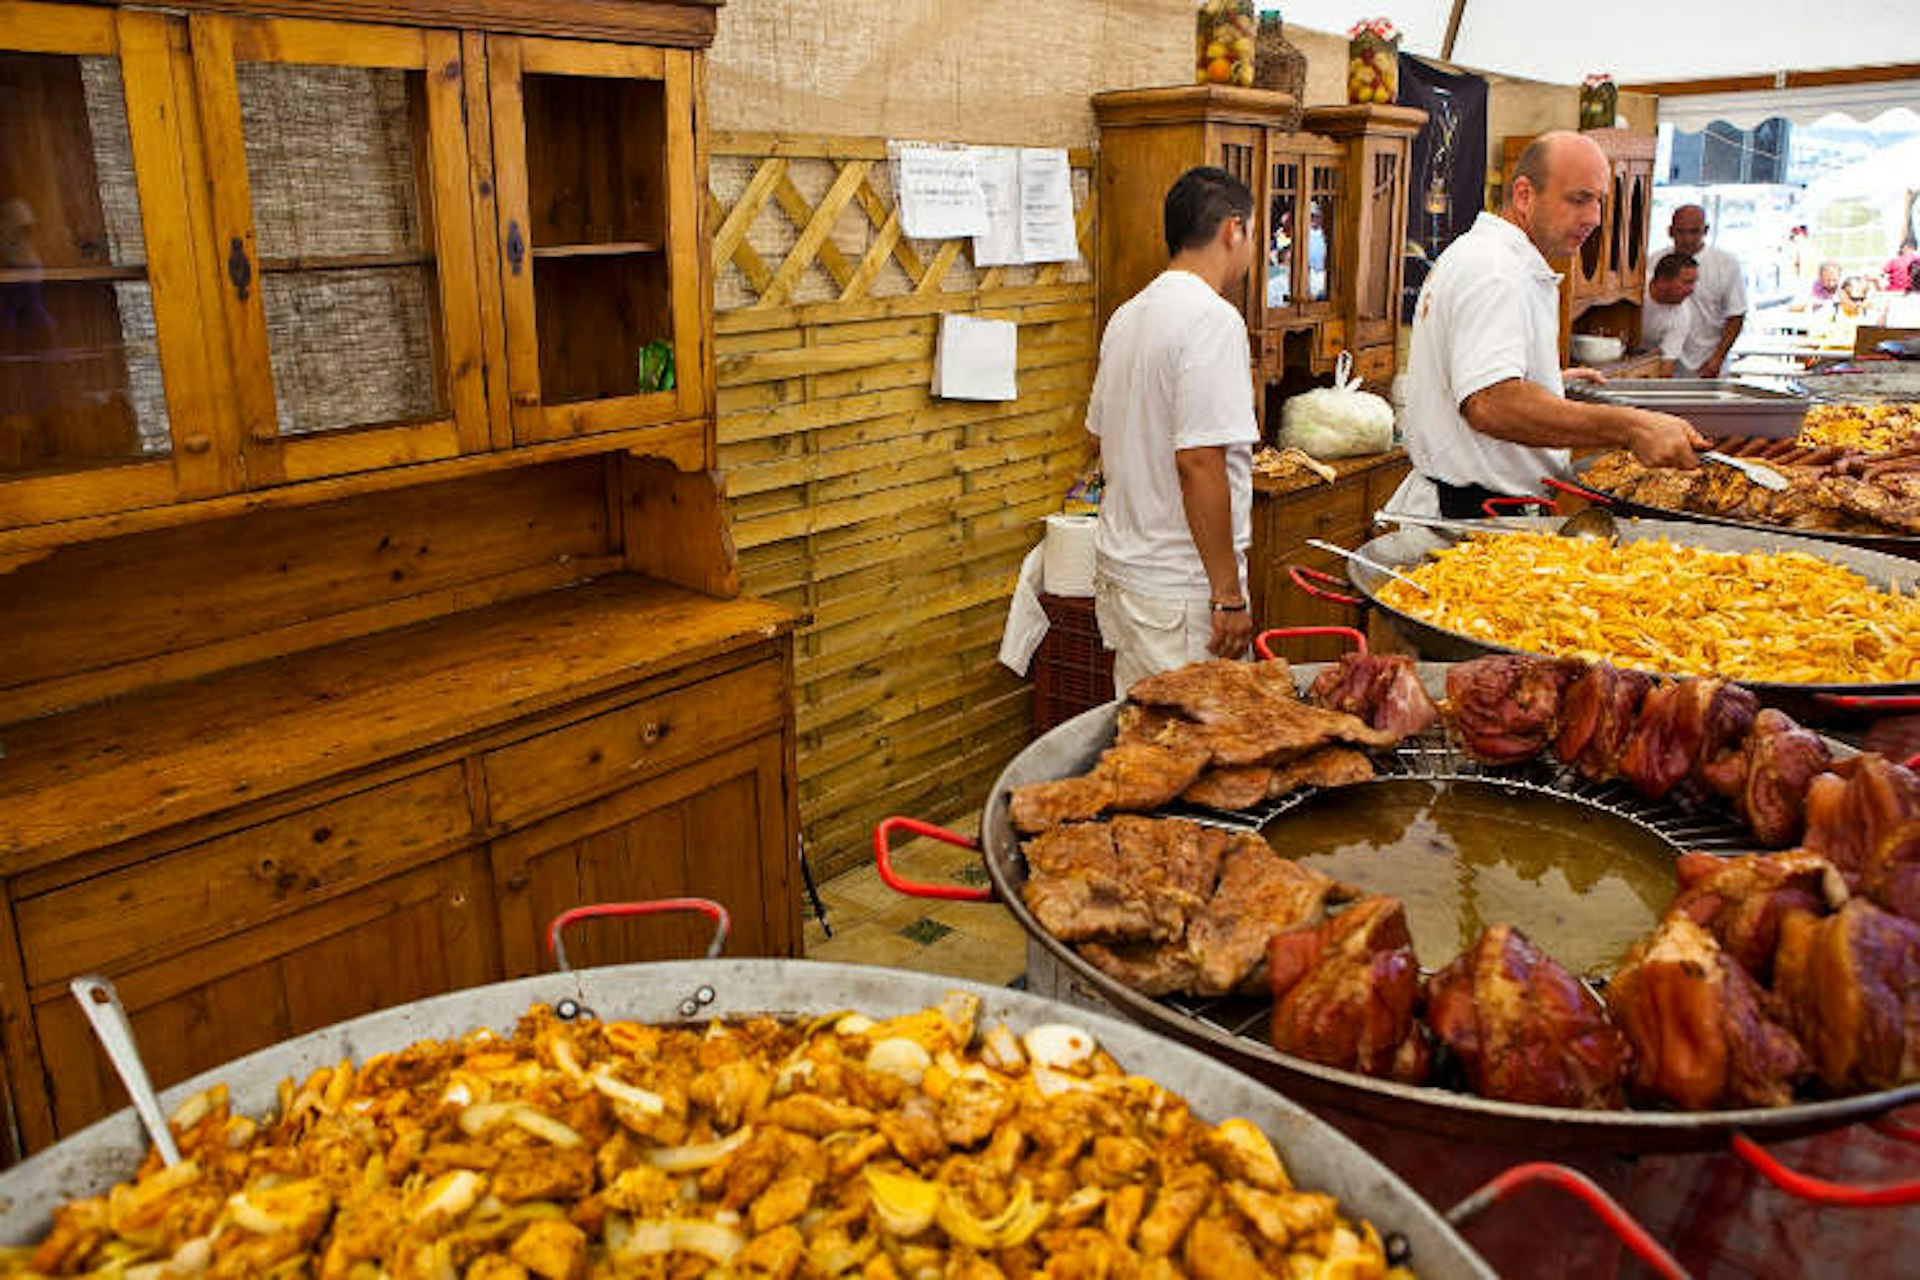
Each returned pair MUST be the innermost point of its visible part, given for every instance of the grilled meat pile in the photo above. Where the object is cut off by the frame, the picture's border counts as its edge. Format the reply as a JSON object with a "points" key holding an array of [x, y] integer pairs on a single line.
{"points": [[1771, 975], [1831, 489], [1229, 735]]}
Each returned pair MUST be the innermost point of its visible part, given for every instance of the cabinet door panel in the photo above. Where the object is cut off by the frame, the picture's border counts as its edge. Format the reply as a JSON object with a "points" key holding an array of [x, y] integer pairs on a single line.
{"points": [[718, 829], [96, 280], [414, 935], [342, 242], [598, 234]]}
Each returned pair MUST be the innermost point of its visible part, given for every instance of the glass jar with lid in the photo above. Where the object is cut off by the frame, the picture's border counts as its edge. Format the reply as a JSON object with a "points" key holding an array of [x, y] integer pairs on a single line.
{"points": [[1373, 62]]}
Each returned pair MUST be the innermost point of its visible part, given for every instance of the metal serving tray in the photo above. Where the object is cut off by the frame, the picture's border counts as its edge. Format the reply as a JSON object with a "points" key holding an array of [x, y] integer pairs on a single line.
{"points": [[1716, 406]]}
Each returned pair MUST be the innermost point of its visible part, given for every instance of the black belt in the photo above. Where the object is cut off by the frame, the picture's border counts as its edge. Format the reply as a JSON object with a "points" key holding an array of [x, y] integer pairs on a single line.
{"points": [[1465, 501]]}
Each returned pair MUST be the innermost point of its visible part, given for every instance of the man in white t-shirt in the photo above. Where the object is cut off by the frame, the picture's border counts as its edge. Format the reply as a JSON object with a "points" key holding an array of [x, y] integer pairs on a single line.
{"points": [[1172, 408], [1485, 413], [1664, 320], [1718, 308]]}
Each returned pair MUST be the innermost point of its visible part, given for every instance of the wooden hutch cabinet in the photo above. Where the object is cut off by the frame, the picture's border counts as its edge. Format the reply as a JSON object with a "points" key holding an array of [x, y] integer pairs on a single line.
{"points": [[1329, 198], [1603, 287], [365, 583]]}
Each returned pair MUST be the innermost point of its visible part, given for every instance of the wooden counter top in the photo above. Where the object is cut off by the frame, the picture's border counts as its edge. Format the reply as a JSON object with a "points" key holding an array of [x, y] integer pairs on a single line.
{"points": [[123, 768], [1267, 486]]}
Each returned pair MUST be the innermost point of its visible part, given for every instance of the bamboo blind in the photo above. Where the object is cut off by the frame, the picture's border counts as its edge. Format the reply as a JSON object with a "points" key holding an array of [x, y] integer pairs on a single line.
{"points": [[897, 520]]}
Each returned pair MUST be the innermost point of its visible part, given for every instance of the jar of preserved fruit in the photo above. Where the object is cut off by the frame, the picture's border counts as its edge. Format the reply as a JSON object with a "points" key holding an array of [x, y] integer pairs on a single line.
{"points": [[1373, 62], [1223, 42]]}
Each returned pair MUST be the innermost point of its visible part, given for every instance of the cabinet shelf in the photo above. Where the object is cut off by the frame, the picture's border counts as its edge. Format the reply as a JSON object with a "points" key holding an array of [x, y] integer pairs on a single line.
{"points": [[609, 249], [70, 275], [346, 262]]}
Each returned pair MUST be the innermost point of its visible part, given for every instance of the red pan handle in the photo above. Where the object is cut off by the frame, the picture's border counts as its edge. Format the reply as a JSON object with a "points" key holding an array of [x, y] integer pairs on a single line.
{"points": [[1591, 495], [1288, 633], [1584, 1189], [1889, 1125], [1868, 702], [722, 922], [1494, 506], [883, 860], [1305, 578], [1819, 1190], [1914, 764]]}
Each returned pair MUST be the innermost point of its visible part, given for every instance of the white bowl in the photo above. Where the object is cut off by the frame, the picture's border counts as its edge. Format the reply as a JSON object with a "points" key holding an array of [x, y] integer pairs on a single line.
{"points": [[1596, 348]]}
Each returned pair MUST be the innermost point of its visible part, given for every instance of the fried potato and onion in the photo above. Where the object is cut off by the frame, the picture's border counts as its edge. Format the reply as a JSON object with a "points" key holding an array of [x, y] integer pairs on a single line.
{"points": [[1781, 617], [883, 1150]]}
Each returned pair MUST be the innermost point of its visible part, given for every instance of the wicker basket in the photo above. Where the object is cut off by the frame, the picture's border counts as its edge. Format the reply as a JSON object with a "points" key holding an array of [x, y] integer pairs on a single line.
{"points": [[1279, 66]]}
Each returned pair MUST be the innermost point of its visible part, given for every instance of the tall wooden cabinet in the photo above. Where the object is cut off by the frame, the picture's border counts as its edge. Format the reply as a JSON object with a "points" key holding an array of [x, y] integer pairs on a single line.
{"points": [[366, 587], [1604, 285], [1329, 199]]}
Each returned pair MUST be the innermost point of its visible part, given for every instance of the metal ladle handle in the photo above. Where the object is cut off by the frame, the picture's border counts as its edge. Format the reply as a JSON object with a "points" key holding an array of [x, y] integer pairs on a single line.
{"points": [[101, 1002]]}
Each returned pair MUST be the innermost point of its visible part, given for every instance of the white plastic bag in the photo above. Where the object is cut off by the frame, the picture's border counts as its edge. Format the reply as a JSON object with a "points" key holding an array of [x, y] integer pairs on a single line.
{"points": [[1340, 421]]}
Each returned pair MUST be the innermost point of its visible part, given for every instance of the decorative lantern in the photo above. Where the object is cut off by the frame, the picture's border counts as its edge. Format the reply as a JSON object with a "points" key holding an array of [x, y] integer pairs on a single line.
{"points": [[1598, 101], [1223, 42], [1373, 61]]}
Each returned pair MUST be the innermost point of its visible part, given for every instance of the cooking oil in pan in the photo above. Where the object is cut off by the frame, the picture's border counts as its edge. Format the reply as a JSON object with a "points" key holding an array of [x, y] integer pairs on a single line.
{"points": [[1580, 881]]}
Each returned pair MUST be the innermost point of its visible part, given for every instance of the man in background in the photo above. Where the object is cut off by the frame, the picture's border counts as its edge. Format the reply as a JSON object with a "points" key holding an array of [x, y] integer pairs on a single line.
{"points": [[1485, 413], [1718, 307], [1172, 408], [1663, 321]]}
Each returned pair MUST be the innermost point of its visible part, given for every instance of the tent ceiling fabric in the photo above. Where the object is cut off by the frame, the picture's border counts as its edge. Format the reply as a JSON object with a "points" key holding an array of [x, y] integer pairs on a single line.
{"points": [[1640, 40]]}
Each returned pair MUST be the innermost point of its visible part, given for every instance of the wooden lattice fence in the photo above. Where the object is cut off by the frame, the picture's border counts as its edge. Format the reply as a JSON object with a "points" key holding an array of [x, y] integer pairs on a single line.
{"points": [[897, 520]]}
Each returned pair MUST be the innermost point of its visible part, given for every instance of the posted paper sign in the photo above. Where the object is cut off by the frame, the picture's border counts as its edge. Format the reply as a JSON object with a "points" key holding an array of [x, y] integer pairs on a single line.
{"points": [[938, 189], [1029, 201], [974, 358]]}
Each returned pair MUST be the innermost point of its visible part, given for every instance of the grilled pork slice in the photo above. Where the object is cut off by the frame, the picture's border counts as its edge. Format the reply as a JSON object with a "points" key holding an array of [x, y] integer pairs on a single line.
{"points": [[1131, 777], [1260, 894], [1250, 713], [1506, 708], [1345, 993], [1134, 879], [1741, 901], [1151, 968], [1382, 689], [1701, 1034], [1849, 985], [1524, 1028], [1248, 785]]}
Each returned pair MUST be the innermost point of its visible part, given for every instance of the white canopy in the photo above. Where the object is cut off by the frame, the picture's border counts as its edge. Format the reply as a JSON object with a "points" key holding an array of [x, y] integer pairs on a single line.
{"points": [[1643, 40]]}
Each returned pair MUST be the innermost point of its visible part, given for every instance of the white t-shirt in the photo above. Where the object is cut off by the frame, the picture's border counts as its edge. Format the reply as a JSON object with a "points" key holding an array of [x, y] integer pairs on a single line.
{"points": [[1718, 296], [1174, 374], [1489, 311], [1665, 325]]}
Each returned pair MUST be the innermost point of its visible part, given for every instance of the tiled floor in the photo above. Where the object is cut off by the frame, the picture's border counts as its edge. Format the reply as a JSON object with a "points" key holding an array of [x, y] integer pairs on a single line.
{"points": [[874, 925]]}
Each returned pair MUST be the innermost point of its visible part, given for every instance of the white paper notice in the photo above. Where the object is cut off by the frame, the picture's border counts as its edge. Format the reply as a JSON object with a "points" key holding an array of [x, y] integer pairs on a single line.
{"points": [[975, 358], [1046, 206], [939, 192], [999, 169]]}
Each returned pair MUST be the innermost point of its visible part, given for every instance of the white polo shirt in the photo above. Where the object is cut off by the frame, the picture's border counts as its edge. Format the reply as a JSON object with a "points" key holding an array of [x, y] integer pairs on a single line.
{"points": [[1174, 374], [1664, 325], [1718, 296], [1489, 311]]}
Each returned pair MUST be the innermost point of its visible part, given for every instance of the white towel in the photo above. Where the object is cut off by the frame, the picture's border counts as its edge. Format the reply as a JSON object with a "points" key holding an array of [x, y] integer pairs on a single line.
{"points": [[1026, 617]]}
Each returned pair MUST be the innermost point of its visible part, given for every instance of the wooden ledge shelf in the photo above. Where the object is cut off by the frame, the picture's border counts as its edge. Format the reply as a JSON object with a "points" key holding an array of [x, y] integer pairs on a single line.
{"points": [[107, 773]]}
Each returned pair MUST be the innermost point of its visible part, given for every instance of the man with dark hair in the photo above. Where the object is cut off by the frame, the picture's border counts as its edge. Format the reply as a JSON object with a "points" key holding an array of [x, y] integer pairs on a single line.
{"points": [[1717, 311], [1172, 408], [1663, 321], [1485, 413]]}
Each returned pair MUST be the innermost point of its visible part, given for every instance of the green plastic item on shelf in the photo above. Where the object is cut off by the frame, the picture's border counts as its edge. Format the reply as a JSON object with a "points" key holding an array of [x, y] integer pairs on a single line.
{"points": [[656, 366]]}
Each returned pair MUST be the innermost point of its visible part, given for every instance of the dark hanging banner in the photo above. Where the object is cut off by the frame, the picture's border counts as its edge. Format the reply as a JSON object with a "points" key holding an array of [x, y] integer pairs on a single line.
{"points": [[1448, 177]]}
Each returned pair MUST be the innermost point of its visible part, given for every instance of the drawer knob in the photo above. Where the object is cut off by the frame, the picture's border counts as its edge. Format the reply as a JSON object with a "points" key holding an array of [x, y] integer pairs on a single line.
{"points": [[652, 731], [517, 880]]}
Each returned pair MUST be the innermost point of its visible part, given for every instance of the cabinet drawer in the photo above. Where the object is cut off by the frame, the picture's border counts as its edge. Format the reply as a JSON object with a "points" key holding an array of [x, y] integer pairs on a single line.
{"points": [[1374, 364], [1335, 513], [610, 750], [241, 879]]}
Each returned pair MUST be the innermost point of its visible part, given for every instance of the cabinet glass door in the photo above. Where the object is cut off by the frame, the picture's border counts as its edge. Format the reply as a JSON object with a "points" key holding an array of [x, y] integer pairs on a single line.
{"points": [[1283, 260], [343, 242], [598, 240], [1323, 224], [84, 111]]}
